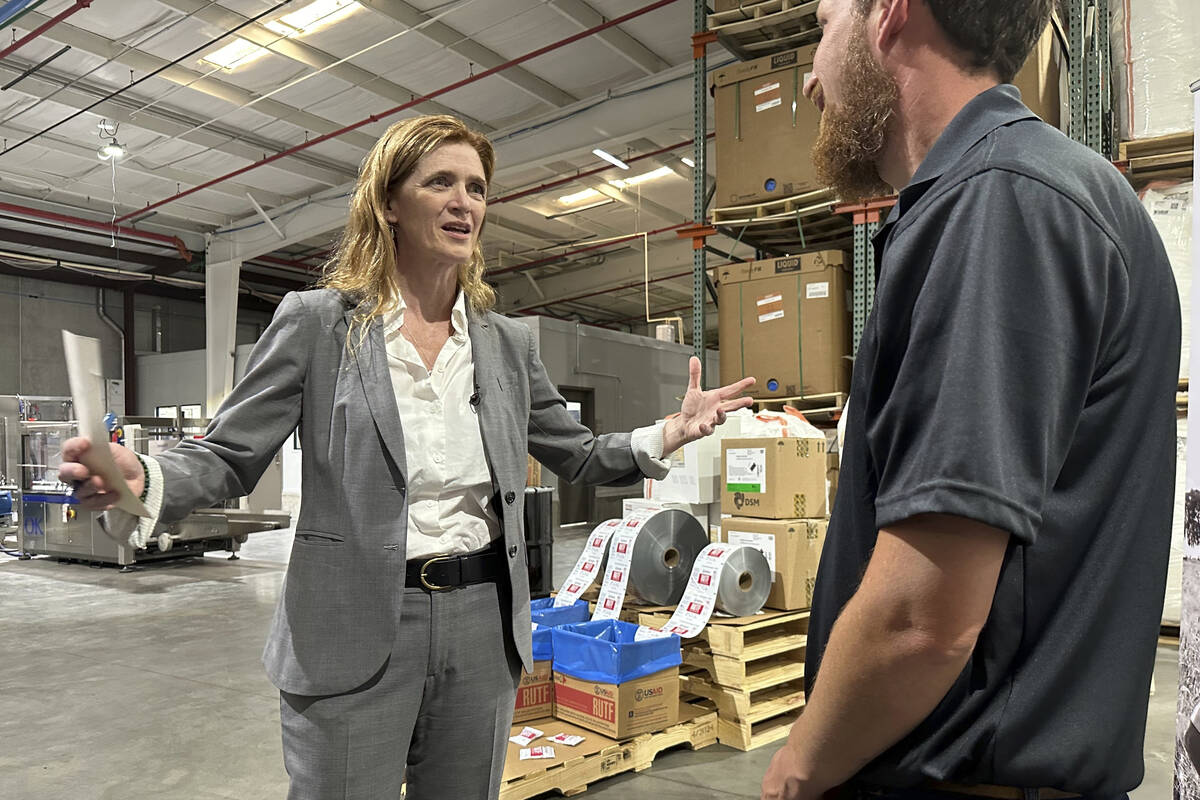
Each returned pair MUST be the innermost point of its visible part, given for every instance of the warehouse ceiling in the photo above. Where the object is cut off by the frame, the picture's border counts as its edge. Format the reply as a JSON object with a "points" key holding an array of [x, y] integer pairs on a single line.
{"points": [[241, 124]]}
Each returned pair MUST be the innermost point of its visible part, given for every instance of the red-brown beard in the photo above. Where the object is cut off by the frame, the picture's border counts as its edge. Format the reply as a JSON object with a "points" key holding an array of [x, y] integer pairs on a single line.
{"points": [[854, 131]]}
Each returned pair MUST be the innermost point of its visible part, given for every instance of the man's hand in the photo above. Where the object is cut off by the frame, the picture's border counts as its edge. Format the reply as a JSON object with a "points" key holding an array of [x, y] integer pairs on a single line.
{"points": [[702, 412], [91, 490], [783, 781]]}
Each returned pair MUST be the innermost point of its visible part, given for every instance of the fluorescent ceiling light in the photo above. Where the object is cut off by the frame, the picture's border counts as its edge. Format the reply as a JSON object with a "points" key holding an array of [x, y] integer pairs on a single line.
{"points": [[305, 20], [578, 197], [604, 202], [312, 16], [634, 180], [235, 54], [688, 161], [610, 158]]}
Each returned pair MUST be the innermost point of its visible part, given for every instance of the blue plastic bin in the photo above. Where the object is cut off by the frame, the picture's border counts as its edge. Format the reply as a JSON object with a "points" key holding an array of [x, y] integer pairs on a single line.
{"points": [[604, 651], [547, 617]]}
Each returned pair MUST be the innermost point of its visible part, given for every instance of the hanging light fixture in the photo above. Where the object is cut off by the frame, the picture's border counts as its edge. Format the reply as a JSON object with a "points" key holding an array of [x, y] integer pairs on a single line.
{"points": [[111, 149]]}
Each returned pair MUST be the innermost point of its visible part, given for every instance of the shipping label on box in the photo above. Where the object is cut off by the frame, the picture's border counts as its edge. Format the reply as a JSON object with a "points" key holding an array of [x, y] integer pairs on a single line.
{"points": [[746, 469], [780, 478], [619, 711], [762, 542], [535, 693], [792, 546]]}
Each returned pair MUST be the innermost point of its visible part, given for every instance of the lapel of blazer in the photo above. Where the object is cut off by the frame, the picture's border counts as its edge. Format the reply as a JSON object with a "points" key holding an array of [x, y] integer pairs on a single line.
{"points": [[489, 383], [371, 358]]}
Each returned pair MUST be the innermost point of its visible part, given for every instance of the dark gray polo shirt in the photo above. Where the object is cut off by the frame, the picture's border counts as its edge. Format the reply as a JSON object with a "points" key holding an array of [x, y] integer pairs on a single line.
{"points": [[1019, 368]]}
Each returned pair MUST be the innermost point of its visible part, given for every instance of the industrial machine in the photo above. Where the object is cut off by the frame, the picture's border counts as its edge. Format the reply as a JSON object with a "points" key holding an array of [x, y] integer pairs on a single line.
{"points": [[48, 519]]}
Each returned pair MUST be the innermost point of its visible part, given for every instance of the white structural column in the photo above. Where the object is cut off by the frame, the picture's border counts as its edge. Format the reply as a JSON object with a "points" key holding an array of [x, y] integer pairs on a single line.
{"points": [[220, 318]]}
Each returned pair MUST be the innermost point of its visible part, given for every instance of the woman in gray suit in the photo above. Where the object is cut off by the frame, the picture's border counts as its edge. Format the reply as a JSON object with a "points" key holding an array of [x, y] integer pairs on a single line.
{"points": [[404, 621]]}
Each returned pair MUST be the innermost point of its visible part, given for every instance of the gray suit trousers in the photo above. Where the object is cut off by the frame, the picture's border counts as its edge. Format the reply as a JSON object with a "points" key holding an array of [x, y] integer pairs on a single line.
{"points": [[440, 709]]}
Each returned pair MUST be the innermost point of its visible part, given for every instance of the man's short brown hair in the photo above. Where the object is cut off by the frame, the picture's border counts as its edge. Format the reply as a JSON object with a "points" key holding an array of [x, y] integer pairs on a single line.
{"points": [[995, 35]]}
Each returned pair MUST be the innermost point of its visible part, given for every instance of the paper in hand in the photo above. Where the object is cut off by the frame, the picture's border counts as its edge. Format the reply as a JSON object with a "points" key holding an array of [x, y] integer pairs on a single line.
{"points": [[87, 393]]}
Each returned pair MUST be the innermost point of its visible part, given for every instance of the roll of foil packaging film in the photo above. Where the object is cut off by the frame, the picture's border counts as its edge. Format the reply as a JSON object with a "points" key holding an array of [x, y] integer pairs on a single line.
{"points": [[733, 579], [590, 564], [649, 559]]}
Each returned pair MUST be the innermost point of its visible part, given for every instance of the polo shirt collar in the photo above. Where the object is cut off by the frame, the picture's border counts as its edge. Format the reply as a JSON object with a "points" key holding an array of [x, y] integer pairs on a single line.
{"points": [[987, 111]]}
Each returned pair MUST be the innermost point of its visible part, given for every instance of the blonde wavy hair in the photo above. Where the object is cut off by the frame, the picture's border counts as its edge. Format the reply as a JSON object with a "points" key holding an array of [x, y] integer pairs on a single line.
{"points": [[364, 265]]}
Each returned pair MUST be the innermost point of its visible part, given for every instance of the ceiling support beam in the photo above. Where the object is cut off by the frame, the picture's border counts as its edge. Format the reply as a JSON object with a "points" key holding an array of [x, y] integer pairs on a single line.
{"points": [[471, 50], [310, 56]]}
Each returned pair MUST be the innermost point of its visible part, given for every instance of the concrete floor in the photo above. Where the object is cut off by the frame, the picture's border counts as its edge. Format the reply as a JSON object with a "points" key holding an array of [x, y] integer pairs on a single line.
{"points": [[148, 685]]}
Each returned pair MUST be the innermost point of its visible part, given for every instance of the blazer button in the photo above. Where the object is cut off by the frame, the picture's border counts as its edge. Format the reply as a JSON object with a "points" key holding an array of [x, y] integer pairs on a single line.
{"points": [[510, 497], [512, 551]]}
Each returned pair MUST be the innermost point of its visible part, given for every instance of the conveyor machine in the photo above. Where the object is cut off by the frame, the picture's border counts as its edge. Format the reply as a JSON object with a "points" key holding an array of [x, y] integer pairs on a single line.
{"points": [[49, 521]]}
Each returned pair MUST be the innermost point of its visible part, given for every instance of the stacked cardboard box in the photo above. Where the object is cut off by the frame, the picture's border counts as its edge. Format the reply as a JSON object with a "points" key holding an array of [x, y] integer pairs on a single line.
{"points": [[786, 321], [776, 491]]}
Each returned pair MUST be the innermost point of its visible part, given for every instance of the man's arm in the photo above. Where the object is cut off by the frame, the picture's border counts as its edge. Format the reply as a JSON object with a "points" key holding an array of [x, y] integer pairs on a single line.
{"points": [[897, 648]]}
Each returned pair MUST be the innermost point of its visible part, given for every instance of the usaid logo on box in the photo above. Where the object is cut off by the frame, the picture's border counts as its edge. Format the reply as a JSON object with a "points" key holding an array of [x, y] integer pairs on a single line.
{"points": [[647, 694]]}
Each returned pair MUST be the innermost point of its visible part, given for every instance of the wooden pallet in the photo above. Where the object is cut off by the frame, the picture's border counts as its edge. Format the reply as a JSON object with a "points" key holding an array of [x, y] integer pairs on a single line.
{"points": [[818, 406], [632, 612], [749, 706], [748, 676], [597, 757], [1157, 158], [746, 720], [788, 225], [764, 634], [745, 735], [756, 29]]}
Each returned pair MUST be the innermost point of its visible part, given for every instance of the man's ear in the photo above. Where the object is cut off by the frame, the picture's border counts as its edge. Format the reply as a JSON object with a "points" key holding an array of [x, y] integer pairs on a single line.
{"points": [[892, 18]]}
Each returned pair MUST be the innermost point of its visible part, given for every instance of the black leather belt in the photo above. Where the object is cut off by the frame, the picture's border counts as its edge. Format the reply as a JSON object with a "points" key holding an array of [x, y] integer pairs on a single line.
{"points": [[443, 573]]}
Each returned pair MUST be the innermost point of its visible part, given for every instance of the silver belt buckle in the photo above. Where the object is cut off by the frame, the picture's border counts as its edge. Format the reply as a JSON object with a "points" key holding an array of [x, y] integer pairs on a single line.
{"points": [[433, 587]]}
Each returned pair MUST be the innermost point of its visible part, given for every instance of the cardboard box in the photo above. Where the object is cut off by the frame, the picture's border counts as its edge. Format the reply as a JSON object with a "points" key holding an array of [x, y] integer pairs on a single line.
{"points": [[1043, 80], [792, 548], [774, 478], [698, 511], [833, 468], [786, 321], [533, 472], [619, 711], [765, 128], [535, 693]]}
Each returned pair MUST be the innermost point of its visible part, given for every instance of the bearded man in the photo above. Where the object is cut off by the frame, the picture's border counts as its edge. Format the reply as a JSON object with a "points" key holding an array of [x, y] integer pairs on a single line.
{"points": [[988, 601]]}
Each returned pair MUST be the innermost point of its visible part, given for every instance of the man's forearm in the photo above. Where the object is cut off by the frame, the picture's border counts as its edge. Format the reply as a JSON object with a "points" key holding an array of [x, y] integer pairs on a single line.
{"points": [[877, 682]]}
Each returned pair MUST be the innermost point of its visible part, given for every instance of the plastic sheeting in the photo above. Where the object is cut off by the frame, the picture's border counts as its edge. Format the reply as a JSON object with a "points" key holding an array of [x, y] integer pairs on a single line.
{"points": [[606, 651], [1170, 208], [1155, 58], [546, 617]]}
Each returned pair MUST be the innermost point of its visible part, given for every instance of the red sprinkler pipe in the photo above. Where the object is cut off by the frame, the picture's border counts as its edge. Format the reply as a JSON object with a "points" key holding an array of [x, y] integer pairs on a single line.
{"points": [[80, 5], [403, 106], [548, 259], [172, 241]]}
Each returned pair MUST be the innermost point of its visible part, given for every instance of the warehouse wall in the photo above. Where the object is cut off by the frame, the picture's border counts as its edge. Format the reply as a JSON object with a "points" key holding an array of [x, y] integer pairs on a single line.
{"points": [[635, 381], [34, 312], [176, 379]]}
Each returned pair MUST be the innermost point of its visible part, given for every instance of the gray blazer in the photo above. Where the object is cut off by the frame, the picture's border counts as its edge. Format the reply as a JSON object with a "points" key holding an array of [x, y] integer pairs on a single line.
{"points": [[335, 622]]}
